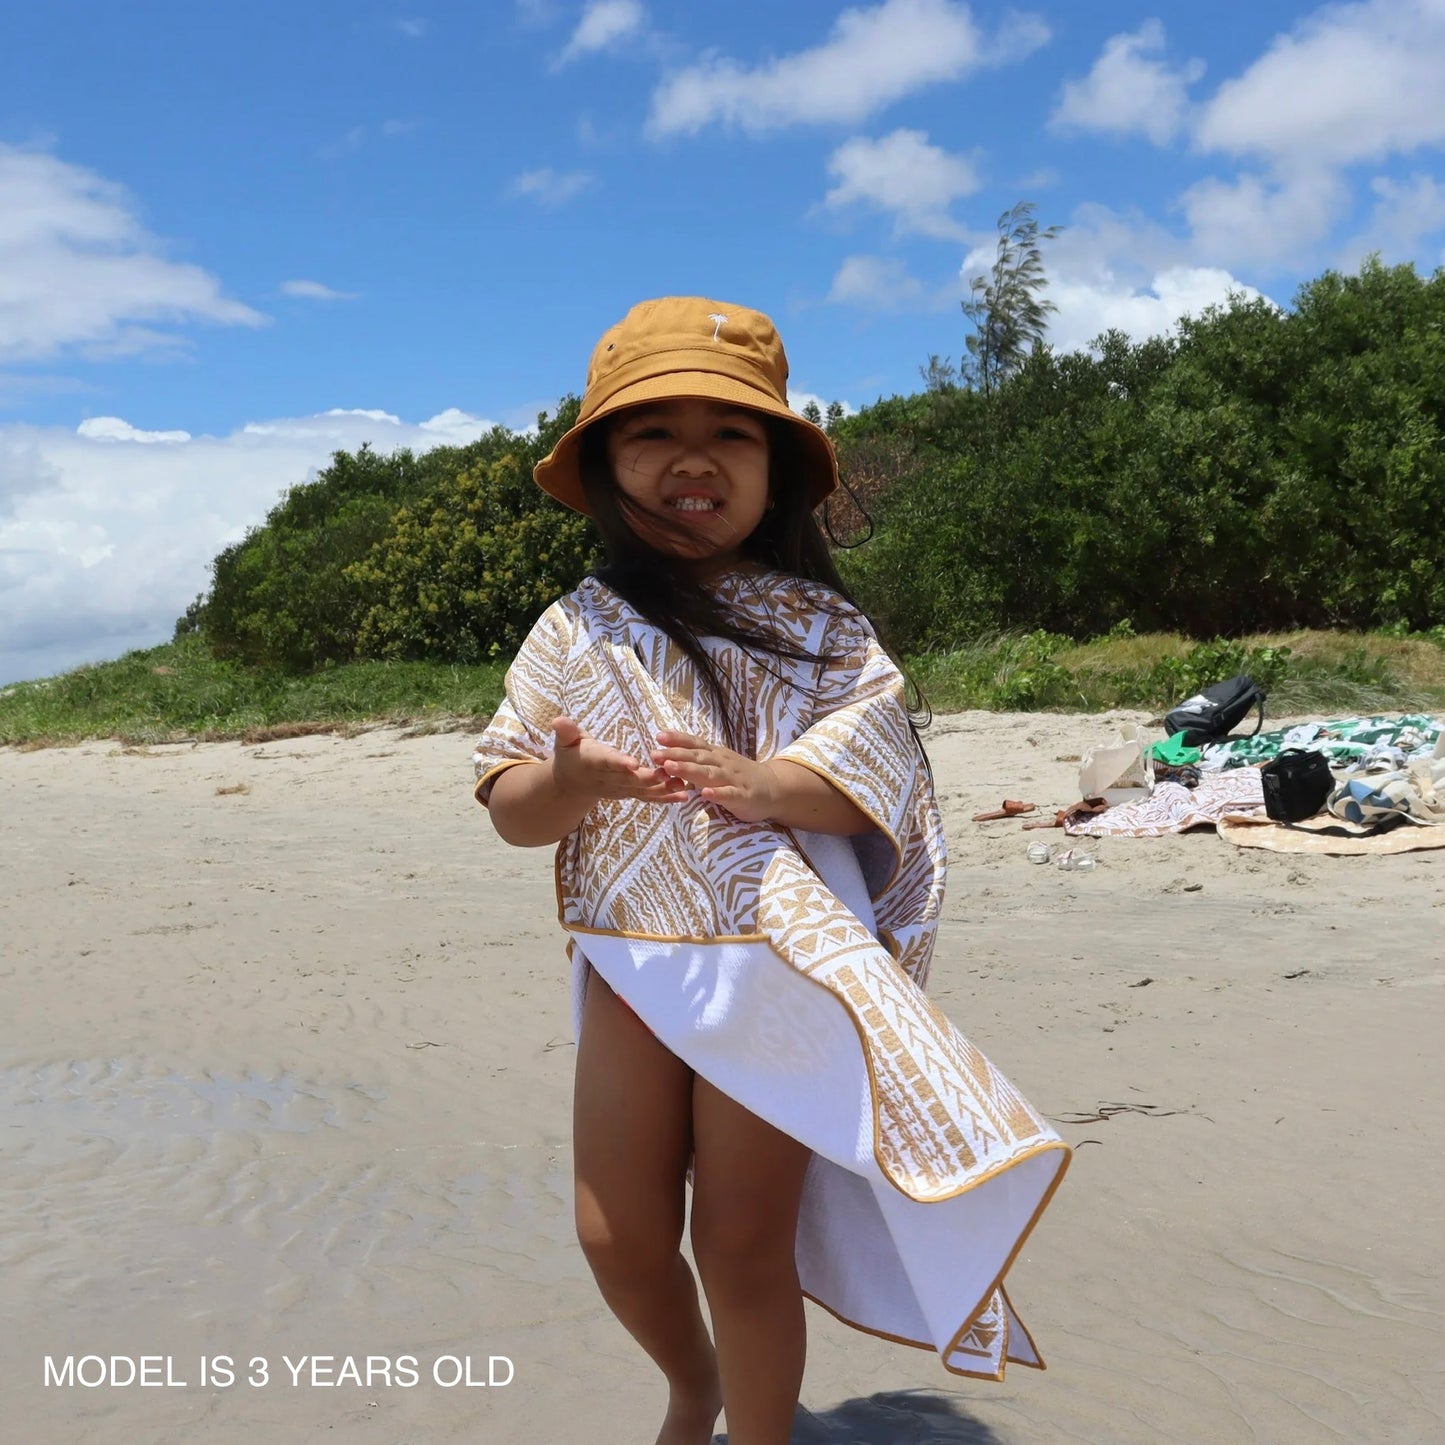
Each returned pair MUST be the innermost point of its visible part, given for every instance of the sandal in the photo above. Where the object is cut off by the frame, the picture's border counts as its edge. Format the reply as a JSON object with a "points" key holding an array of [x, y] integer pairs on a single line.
{"points": [[1012, 808]]}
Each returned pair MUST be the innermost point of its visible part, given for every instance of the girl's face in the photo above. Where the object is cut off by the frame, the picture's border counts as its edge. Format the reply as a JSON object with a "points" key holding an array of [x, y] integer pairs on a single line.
{"points": [[700, 465]]}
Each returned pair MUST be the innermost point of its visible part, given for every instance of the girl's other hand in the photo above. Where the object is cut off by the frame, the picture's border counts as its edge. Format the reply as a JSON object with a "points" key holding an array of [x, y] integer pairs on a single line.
{"points": [[584, 768], [749, 790]]}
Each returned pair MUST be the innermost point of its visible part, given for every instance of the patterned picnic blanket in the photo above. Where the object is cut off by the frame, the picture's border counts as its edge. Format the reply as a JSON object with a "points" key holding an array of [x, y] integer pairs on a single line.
{"points": [[1345, 741], [1173, 808]]}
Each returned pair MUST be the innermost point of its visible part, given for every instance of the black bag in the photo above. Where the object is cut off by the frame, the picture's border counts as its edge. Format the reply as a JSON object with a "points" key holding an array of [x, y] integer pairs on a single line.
{"points": [[1296, 784], [1210, 716]]}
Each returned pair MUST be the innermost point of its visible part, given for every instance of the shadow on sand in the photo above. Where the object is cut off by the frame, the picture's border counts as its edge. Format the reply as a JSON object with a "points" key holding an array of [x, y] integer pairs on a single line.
{"points": [[896, 1417]]}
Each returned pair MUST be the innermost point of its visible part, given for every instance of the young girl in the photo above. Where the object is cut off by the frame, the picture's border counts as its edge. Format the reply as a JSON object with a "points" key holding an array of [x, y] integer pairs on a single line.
{"points": [[750, 870]]}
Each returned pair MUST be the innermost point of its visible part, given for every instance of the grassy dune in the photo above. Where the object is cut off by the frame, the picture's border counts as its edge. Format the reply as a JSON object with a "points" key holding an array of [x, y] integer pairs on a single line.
{"points": [[178, 692], [1326, 673]]}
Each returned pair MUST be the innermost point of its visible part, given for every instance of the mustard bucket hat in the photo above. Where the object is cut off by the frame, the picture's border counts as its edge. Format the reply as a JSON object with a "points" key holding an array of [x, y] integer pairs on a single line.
{"points": [[683, 347]]}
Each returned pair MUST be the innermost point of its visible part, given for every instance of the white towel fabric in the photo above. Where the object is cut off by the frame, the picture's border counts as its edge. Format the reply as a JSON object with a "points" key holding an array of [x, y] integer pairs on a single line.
{"points": [[753, 1026]]}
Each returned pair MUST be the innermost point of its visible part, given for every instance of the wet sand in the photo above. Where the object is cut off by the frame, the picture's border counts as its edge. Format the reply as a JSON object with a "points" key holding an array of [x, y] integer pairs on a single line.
{"points": [[285, 1067]]}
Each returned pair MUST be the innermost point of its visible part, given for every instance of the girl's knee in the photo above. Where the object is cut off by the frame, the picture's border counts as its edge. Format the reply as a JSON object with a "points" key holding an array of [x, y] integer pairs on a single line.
{"points": [[743, 1251], [624, 1250]]}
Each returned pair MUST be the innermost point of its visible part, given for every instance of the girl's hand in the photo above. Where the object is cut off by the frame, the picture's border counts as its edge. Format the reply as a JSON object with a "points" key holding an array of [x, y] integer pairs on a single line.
{"points": [[748, 790], [583, 768]]}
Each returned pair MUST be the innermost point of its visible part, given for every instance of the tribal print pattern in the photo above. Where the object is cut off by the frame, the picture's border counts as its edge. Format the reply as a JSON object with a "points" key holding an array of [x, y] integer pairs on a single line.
{"points": [[693, 871], [944, 1117]]}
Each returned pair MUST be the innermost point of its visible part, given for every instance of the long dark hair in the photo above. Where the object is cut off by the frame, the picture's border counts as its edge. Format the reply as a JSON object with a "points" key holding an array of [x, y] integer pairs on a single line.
{"points": [[668, 590]]}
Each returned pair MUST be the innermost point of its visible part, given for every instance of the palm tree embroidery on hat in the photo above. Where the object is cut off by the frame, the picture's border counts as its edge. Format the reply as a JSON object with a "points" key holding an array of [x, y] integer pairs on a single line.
{"points": [[721, 320]]}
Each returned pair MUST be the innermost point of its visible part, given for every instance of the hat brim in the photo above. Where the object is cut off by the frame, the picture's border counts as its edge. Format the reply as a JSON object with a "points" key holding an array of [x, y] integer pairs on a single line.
{"points": [[559, 475]]}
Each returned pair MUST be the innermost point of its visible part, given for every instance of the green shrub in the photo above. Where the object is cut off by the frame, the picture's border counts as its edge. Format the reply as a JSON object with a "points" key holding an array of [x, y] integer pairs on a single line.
{"points": [[1262, 470], [464, 571], [281, 596], [397, 556]]}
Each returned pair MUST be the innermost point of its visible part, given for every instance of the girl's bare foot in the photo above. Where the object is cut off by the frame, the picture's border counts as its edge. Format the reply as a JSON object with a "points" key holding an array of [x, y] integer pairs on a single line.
{"points": [[690, 1417]]}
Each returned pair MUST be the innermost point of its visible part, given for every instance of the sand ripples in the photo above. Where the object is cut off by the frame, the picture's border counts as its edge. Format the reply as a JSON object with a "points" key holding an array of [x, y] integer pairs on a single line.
{"points": [[252, 1201]]}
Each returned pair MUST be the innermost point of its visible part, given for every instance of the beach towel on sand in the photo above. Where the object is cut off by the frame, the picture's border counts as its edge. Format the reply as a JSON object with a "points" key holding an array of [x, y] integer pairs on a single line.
{"points": [[788, 968]]}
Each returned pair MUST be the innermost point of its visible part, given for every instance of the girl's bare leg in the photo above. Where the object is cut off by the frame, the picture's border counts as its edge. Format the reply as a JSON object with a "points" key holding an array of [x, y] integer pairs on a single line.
{"points": [[632, 1138], [747, 1187]]}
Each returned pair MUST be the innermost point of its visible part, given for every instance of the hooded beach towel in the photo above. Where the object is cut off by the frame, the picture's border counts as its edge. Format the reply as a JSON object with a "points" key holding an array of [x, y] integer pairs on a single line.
{"points": [[787, 968]]}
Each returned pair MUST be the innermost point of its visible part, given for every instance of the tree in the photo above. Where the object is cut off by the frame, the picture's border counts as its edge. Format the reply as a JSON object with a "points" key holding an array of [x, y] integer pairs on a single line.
{"points": [[940, 374], [1006, 304], [835, 414], [812, 413]]}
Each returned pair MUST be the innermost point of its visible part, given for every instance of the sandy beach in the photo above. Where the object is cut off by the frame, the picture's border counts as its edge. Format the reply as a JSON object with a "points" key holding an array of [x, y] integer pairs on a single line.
{"points": [[285, 1072]]}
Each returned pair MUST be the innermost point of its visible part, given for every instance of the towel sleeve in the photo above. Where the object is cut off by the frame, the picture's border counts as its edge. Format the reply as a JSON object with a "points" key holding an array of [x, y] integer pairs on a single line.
{"points": [[859, 737], [521, 729]]}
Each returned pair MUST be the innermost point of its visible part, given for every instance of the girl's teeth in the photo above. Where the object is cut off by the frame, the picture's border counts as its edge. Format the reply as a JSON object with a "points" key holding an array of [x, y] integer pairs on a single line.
{"points": [[695, 504]]}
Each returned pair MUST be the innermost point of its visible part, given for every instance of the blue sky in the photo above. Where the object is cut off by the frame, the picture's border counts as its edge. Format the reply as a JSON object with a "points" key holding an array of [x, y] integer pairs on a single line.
{"points": [[235, 238]]}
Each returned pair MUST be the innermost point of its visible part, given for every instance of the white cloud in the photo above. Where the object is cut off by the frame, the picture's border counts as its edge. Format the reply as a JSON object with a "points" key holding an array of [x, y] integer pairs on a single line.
{"points": [[1122, 271], [315, 291], [454, 427], [1350, 84], [1099, 243], [413, 29], [1129, 93], [1043, 179], [116, 429], [904, 174], [1019, 34], [871, 58], [551, 188], [353, 140], [105, 537], [1264, 221], [361, 135], [1088, 308], [1405, 214], [334, 424], [878, 283], [1353, 82], [603, 24], [78, 271]]}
